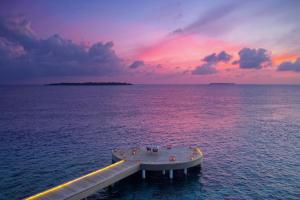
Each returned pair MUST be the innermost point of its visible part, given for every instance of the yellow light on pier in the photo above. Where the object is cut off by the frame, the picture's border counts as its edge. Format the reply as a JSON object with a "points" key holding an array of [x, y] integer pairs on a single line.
{"points": [[73, 181], [199, 151]]}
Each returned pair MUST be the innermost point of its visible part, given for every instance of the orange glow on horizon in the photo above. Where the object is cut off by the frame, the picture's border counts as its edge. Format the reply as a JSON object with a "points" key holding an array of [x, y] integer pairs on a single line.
{"points": [[184, 49], [284, 57]]}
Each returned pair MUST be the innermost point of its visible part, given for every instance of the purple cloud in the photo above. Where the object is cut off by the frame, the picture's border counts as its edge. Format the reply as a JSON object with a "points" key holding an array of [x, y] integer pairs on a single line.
{"points": [[205, 69], [9, 49], [137, 64], [24, 55], [209, 67], [253, 58], [215, 58], [178, 31], [290, 66]]}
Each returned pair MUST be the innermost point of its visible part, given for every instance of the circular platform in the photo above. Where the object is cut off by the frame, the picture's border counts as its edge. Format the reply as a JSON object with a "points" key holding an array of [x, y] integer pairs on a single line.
{"points": [[164, 158]]}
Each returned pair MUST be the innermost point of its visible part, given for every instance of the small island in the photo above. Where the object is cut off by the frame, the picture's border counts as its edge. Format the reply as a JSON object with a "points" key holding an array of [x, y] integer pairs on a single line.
{"points": [[88, 84], [222, 84]]}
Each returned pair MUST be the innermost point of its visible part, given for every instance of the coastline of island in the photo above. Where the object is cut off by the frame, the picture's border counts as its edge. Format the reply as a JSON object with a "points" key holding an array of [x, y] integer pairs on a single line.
{"points": [[222, 83], [88, 84]]}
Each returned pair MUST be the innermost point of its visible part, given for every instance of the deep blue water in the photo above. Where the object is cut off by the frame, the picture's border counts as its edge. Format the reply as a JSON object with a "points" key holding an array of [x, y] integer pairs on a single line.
{"points": [[250, 136]]}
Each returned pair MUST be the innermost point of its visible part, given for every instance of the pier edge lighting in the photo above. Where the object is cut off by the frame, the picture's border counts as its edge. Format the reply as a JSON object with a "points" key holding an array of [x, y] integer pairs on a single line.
{"points": [[73, 181]]}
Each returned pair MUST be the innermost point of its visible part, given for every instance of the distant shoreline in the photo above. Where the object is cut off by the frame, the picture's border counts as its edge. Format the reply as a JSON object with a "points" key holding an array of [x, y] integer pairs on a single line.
{"points": [[88, 84], [222, 84]]}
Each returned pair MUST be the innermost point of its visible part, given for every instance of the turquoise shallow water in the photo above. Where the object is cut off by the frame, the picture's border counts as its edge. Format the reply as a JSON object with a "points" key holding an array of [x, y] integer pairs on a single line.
{"points": [[250, 136]]}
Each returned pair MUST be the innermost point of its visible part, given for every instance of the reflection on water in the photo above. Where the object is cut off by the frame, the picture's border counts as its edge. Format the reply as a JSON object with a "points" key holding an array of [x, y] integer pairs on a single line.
{"points": [[249, 134]]}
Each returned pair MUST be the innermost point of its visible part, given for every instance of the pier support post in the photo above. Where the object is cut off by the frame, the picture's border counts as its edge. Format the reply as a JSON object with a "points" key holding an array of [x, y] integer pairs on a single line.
{"points": [[143, 174], [185, 171], [164, 172], [171, 173]]}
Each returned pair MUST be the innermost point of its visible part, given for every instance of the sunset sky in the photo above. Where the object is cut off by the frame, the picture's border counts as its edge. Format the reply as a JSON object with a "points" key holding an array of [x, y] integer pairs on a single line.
{"points": [[150, 41]]}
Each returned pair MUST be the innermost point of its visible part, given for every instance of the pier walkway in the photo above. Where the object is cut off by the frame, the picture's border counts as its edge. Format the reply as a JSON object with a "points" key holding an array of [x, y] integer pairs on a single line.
{"points": [[89, 184], [127, 162]]}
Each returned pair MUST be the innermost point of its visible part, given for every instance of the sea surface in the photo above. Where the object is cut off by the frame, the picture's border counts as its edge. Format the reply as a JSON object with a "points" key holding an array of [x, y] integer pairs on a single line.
{"points": [[250, 135]]}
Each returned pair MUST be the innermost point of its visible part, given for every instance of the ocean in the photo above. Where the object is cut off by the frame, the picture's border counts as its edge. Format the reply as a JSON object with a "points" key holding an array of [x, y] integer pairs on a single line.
{"points": [[250, 136]]}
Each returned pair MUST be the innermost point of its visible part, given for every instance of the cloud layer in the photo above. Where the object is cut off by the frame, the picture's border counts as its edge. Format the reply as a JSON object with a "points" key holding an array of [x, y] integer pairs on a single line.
{"points": [[253, 58], [215, 58], [209, 67], [137, 64], [24, 55], [290, 66], [210, 22]]}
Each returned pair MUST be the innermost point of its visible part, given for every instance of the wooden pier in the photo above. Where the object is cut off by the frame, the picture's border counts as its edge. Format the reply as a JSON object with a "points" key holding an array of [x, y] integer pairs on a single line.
{"points": [[127, 162]]}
